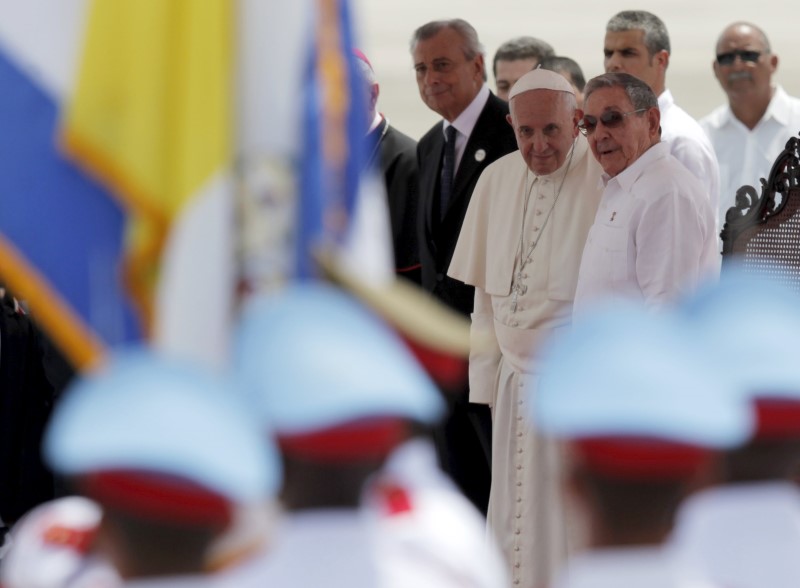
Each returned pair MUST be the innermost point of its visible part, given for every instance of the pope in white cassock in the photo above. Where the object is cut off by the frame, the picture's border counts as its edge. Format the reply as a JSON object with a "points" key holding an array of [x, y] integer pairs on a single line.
{"points": [[520, 246]]}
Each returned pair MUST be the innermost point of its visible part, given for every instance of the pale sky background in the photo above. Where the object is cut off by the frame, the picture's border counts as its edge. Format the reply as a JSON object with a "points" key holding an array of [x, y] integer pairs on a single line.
{"points": [[575, 29]]}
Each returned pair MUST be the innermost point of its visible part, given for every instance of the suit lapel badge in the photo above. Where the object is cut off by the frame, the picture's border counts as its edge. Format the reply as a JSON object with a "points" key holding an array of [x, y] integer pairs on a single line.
{"points": [[480, 155]]}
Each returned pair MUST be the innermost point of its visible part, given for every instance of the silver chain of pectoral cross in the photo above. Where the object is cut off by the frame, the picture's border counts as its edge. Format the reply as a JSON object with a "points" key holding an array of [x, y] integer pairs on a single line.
{"points": [[517, 290], [517, 287]]}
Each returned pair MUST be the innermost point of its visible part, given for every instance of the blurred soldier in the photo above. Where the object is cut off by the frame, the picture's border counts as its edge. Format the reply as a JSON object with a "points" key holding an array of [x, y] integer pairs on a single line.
{"points": [[343, 393], [643, 416], [168, 453], [54, 547], [396, 154], [514, 59], [745, 532]]}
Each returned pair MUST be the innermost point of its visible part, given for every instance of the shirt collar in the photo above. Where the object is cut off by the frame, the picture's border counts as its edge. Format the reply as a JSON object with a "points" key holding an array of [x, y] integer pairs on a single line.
{"points": [[375, 122], [465, 122], [665, 100], [778, 109], [627, 177]]}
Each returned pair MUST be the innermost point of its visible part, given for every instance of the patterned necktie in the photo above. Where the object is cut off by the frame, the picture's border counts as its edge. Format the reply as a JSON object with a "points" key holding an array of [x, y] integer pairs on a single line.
{"points": [[448, 170]]}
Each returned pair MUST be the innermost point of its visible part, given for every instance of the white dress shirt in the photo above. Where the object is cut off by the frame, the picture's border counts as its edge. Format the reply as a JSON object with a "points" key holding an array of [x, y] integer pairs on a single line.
{"points": [[742, 535], [426, 533], [652, 238], [745, 156], [690, 145], [171, 582], [314, 548], [465, 123]]}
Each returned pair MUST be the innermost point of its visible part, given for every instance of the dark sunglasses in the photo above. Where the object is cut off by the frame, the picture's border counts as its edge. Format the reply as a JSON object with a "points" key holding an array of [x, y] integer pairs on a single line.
{"points": [[611, 119], [730, 57]]}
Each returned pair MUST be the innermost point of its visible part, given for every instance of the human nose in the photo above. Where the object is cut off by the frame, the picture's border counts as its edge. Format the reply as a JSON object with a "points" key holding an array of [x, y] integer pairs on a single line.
{"points": [[539, 143], [430, 77], [600, 132], [738, 61], [612, 63]]}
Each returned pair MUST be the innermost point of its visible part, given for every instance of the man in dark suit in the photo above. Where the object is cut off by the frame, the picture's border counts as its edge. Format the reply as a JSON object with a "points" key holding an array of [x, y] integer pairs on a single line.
{"points": [[396, 154], [26, 398], [451, 75]]}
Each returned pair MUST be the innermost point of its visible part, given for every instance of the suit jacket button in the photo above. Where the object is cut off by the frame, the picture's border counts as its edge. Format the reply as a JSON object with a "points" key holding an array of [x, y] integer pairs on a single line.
{"points": [[439, 277]]}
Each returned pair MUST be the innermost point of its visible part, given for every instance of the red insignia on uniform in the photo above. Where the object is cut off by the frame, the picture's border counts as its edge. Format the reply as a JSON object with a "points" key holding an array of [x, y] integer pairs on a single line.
{"points": [[394, 499], [77, 539]]}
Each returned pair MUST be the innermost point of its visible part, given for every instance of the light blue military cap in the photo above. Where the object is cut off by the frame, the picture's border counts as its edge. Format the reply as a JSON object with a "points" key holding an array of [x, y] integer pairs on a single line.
{"points": [[628, 372], [159, 421], [311, 357], [750, 326]]}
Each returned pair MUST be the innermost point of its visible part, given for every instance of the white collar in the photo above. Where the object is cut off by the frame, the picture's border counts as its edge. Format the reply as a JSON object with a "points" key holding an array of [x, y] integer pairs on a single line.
{"points": [[375, 122], [778, 109], [627, 177], [466, 121], [665, 100]]}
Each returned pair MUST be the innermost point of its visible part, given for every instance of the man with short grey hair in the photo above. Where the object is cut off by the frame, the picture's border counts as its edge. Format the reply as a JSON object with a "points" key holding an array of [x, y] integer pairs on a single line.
{"points": [[652, 238], [449, 64], [637, 43], [515, 58]]}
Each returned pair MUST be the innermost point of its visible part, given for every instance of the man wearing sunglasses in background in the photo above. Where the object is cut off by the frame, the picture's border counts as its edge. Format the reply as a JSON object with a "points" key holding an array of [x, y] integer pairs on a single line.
{"points": [[653, 236], [751, 130], [637, 42]]}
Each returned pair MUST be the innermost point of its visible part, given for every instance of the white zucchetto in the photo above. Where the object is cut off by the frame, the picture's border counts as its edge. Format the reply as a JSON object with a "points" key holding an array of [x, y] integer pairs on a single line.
{"points": [[541, 79]]}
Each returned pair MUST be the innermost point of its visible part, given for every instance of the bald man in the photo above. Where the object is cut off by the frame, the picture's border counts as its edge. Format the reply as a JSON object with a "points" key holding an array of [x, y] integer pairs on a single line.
{"points": [[750, 130]]}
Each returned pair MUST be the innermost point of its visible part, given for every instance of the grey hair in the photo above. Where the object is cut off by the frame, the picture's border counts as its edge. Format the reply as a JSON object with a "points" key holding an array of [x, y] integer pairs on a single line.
{"points": [[562, 65], [471, 46], [639, 93], [522, 48], [656, 37]]}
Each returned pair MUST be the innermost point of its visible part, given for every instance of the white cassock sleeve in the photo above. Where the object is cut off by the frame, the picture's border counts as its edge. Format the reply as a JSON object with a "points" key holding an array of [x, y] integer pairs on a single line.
{"points": [[484, 356]]}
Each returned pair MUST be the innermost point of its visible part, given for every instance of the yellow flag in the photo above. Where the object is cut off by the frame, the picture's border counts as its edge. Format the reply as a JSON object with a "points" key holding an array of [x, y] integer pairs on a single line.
{"points": [[151, 115]]}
